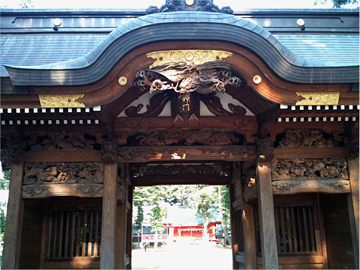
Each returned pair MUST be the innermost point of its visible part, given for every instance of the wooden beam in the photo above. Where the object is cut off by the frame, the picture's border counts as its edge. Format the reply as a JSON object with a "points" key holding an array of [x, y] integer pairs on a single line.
{"points": [[353, 204], [62, 190], [266, 216], [310, 152], [108, 229], [313, 259], [75, 263], [287, 187], [14, 219], [181, 153], [61, 155], [178, 180]]}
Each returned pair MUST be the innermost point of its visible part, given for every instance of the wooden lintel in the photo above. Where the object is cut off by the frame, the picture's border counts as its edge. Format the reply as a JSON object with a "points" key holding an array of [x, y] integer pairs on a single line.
{"points": [[312, 259], [61, 190], [181, 180], [182, 153], [310, 152], [147, 123], [301, 186], [62, 155], [74, 263]]}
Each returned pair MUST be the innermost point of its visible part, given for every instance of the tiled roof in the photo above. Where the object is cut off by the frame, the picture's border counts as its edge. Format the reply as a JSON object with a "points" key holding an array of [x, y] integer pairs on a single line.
{"points": [[42, 49], [285, 53], [333, 49]]}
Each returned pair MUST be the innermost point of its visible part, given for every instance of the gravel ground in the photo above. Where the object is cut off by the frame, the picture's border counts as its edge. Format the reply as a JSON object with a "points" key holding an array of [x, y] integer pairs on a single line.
{"points": [[183, 257]]}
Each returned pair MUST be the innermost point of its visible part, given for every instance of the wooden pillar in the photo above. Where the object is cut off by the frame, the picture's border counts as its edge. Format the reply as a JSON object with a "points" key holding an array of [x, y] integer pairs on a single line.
{"points": [[244, 253], [121, 221], [129, 227], [249, 236], [108, 229], [266, 216], [233, 228], [14, 219], [353, 204]]}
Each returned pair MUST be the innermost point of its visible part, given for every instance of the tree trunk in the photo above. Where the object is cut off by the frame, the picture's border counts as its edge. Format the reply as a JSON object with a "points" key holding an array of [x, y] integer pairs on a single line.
{"points": [[205, 232]]}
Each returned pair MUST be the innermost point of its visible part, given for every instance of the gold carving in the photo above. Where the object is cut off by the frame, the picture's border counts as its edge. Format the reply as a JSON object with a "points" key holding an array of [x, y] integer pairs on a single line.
{"points": [[61, 101], [188, 56], [329, 98]]}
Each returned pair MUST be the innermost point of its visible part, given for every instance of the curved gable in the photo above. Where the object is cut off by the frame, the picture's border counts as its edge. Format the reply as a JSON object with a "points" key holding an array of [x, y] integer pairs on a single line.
{"points": [[183, 26]]}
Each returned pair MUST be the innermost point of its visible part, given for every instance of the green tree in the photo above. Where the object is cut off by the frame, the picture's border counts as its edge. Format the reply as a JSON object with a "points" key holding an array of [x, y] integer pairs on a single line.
{"points": [[4, 185], [4, 182], [206, 209], [2, 225], [337, 3], [225, 209], [26, 4]]}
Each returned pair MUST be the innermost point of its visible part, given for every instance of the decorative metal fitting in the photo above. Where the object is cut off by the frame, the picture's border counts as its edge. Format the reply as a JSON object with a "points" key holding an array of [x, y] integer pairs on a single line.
{"points": [[300, 22], [257, 79], [57, 21], [122, 80]]}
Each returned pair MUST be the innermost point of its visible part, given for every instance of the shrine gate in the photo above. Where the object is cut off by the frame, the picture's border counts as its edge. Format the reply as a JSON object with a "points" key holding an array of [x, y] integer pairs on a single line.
{"points": [[96, 102]]}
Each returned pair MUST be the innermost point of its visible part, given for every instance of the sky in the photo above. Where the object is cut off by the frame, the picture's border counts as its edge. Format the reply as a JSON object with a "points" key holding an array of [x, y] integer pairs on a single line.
{"points": [[143, 4]]}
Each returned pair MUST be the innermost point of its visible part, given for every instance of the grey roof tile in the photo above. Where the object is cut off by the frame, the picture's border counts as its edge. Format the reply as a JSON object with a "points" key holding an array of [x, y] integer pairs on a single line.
{"points": [[324, 48]]}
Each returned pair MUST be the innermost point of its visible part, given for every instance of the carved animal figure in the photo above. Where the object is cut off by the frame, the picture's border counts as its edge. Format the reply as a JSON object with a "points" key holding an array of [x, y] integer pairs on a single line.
{"points": [[59, 140], [151, 138], [187, 77], [109, 152], [173, 136], [292, 138], [237, 110]]}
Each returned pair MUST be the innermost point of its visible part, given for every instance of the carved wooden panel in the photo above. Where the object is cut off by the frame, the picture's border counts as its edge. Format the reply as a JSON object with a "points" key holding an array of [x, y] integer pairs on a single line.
{"points": [[305, 138], [63, 173], [144, 154], [243, 124], [50, 190], [301, 168], [179, 169], [185, 78], [63, 179], [205, 136], [302, 186]]}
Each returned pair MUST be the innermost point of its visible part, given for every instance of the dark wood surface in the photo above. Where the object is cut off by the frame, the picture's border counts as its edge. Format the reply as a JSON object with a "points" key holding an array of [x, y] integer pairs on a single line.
{"points": [[353, 204], [339, 248], [14, 220], [305, 186], [266, 216], [108, 228], [31, 242]]}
